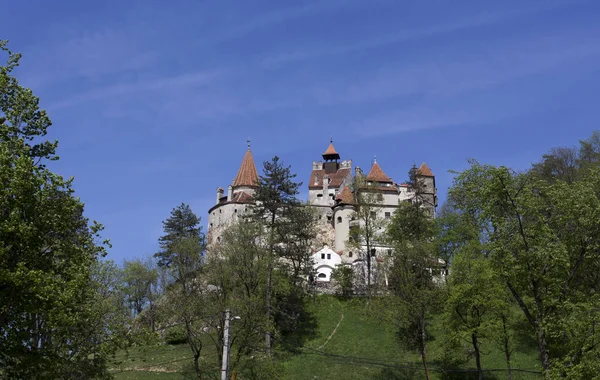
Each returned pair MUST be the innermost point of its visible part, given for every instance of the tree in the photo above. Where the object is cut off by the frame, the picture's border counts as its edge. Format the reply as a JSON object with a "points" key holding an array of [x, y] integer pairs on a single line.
{"points": [[239, 270], [185, 300], [182, 223], [276, 198], [139, 281], [412, 280], [48, 250], [367, 233], [542, 238]]}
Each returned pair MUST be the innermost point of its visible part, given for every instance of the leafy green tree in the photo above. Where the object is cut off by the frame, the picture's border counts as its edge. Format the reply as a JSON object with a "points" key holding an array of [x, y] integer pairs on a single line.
{"points": [[47, 252], [185, 300], [542, 238], [412, 275], [344, 277], [368, 231], [239, 269], [140, 280]]}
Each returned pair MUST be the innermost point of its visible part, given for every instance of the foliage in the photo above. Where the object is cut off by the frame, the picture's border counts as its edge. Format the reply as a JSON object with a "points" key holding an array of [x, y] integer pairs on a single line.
{"points": [[139, 279], [368, 231], [542, 237], [182, 223], [343, 276], [52, 322], [412, 280], [175, 335]]}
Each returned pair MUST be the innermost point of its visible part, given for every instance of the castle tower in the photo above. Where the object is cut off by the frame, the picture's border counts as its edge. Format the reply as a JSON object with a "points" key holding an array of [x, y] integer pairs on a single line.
{"points": [[240, 195], [426, 179], [327, 179]]}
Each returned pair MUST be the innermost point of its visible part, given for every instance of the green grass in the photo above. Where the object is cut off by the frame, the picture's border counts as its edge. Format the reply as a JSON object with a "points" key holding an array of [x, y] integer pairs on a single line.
{"points": [[362, 347]]}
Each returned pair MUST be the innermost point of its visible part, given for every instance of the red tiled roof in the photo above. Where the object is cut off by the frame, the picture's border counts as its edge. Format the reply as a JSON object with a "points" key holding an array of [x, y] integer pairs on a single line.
{"points": [[242, 197], [247, 175], [336, 178], [425, 171], [346, 196], [376, 174], [330, 150]]}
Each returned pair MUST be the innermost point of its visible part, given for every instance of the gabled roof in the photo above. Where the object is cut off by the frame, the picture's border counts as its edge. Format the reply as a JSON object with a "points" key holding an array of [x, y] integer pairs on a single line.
{"points": [[346, 196], [247, 175], [425, 171], [336, 178], [376, 174], [242, 197]]}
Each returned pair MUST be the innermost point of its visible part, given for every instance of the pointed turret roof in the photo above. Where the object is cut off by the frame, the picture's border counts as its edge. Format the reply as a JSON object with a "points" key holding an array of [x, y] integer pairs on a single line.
{"points": [[331, 153], [376, 174], [425, 171], [247, 174]]}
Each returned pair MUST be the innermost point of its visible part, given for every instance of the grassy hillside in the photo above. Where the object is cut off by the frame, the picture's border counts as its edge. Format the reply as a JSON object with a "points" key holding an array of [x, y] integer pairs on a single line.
{"points": [[348, 342]]}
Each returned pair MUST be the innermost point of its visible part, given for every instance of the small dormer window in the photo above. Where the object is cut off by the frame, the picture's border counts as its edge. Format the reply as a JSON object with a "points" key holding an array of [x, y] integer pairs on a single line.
{"points": [[323, 256], [329, 256], [339, 219], [349, 254]]}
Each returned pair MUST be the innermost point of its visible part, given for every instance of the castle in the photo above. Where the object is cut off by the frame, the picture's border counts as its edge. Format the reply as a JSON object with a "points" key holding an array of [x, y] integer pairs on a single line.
{"points": [[330, 193]]}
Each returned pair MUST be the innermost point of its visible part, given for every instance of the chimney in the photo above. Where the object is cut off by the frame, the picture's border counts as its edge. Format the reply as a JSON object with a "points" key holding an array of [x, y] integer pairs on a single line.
{"points": [[229, 193], [358, 171], [325, 186], [219, 194]]}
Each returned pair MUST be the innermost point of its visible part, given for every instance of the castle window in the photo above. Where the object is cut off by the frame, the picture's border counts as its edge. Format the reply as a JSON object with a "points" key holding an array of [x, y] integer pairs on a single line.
{"points": [[322, 275], [329, 218], [373, 214], [388, 215], [319, 195], [235, 210], [323, 256], [389, 252], [211, 225], [331, 196], [349, 254], [373, 252], [219, 239], [339, 219], [329, 256], [220, 211]]}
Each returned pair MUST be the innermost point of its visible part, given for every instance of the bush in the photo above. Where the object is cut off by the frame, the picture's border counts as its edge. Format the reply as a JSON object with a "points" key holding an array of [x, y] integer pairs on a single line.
{"points": [[175, 335], [343, 276]]}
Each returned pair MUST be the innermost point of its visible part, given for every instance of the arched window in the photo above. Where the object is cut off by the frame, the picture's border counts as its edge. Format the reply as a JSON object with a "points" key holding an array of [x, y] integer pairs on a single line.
{"points": [[322, 275], [339, 219], [349, 254]]}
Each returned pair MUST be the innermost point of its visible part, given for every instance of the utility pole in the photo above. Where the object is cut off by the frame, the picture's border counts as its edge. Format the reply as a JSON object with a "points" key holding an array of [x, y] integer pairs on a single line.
{"points": [[225, 365]]}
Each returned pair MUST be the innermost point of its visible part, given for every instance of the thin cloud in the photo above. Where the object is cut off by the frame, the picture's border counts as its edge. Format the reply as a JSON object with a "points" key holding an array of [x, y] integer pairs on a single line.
{"points": [[471, 22]]}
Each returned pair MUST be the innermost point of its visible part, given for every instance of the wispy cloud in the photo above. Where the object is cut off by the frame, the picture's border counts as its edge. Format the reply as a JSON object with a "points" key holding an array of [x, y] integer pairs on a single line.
{"points": [[406, 35]]}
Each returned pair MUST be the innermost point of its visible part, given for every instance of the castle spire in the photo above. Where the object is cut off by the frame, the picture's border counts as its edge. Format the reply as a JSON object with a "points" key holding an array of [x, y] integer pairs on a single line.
{"points": [[424, 171], [247, 174], [331, 153]]}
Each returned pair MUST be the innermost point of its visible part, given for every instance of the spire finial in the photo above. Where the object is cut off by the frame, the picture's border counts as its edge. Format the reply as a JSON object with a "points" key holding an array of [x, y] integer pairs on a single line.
{"points": [[248, 141], [331, 139], [374, 159]]}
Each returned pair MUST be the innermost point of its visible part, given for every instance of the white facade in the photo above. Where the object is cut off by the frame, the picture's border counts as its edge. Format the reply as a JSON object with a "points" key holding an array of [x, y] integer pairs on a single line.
{"points": [[325, 261]]}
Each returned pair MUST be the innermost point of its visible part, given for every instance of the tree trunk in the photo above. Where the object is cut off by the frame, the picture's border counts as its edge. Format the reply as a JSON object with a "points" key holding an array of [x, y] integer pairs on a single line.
{"points": [[543, 347], [197, 366], [423, 345], [505, 340], [268, 308], [477, 355]]}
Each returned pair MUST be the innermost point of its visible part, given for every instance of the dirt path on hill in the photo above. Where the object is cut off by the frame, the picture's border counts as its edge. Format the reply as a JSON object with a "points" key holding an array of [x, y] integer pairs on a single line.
{"points": [[332, 333]]}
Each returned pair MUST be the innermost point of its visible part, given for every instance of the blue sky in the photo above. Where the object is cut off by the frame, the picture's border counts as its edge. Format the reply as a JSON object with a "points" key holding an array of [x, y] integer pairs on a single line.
{"points": [[152, 101]]}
